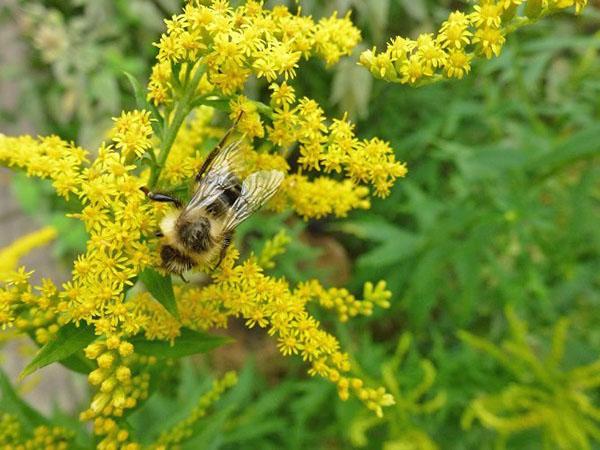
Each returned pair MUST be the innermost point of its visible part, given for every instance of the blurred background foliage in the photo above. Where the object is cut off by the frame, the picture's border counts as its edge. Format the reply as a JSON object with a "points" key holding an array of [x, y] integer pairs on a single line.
{"points": [[491, 245]]}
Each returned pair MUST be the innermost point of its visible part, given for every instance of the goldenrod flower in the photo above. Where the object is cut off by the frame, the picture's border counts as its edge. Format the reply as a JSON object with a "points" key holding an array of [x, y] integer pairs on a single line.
{"points": [[132, 132], [449, 52], [488, 14], [12, 435], [458, 64], [490, 40]]}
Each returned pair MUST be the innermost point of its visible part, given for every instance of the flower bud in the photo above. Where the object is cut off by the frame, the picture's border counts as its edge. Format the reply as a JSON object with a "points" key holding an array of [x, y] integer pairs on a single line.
{"points": [[105, 360], [125, 349]]}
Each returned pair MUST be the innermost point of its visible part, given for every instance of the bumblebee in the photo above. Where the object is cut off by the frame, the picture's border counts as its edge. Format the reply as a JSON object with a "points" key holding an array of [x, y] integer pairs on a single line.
{"points": [[201, 231]]}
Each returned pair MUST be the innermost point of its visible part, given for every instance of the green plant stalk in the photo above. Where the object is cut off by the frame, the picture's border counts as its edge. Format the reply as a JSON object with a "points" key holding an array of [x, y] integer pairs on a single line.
{"points": [[183, 108]]}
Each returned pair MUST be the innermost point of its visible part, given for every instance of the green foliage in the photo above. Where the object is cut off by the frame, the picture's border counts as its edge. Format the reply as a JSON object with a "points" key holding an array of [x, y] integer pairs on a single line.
{"points": [[190, 342], [402, 423], [161, 288], [69, 340], [37, 199], [544, 394], [13, 403]]}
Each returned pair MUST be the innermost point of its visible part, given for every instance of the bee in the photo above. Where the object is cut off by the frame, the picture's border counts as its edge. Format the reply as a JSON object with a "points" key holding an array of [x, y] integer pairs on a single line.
{"points": [[202, 230]]}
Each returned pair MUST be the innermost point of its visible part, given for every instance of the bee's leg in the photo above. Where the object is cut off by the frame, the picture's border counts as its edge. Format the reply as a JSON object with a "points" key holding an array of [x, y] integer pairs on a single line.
{"points": [[228, 132], [226, 243], [159, 197], [183, 278], [159, 234], [215, 151]]}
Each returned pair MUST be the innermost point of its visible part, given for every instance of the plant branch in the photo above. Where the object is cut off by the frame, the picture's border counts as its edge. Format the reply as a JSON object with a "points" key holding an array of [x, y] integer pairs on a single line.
{"points": [[183, 108]]}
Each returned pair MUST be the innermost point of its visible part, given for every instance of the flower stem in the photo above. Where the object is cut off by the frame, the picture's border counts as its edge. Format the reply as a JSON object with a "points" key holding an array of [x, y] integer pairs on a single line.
{"points": [[183, 108]]}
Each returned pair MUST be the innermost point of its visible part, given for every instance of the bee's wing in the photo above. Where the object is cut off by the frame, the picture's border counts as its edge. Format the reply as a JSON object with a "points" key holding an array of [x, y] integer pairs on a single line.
{"points": [[218, 173], [257, 189]]}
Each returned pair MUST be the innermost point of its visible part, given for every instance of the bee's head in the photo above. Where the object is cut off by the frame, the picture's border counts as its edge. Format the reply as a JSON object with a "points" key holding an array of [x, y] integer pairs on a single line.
{"points": [[195, 235], [174, 261]]}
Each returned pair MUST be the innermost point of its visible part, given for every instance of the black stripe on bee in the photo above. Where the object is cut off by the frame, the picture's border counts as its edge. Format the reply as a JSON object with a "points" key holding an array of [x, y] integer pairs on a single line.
{"points": [[231, 195], [224, 201]]}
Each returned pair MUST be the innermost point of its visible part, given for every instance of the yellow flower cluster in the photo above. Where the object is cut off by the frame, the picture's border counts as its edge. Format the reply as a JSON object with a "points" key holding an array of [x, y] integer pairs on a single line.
{"points": [[183, 429], [344, 303], [29, 309], [207, 55], [449, 52], [322, 196], [234, 44], [334, 148], [369, 161], [117, 217], [132, 133], [243, 290], [118, 388], [120, 221], [12, 436], [48, 157], [272, 248]]}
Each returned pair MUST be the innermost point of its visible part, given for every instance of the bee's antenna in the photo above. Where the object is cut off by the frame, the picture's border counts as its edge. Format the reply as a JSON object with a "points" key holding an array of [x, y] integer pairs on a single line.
{"points": [[160, 197]]}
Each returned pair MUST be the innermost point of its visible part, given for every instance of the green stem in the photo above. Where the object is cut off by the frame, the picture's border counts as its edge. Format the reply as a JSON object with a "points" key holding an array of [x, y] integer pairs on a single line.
{"points": [[263, 109], [183, 108]]}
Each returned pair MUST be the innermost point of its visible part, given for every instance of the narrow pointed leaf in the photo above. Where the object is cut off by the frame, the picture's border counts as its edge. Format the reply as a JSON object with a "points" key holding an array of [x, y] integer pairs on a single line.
{"points": [[12, 403], [161, 288], [142, 103], [582, 145], [190, 342], [69, 340]]}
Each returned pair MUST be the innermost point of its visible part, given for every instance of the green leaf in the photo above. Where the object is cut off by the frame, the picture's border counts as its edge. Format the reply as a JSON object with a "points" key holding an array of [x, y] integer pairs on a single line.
{"points": [[77, 362], [142, 103], [375, 229], [140, 100], [161, 288], [12, 403], [221, 104], [71, 233], [582, 145], [190, 342], [396, 244], [69, 340]]}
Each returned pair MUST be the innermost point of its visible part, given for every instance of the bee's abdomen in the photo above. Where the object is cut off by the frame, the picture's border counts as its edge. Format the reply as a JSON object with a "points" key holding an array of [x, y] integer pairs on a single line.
{"points": [[231, 195], [224, 201]]}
